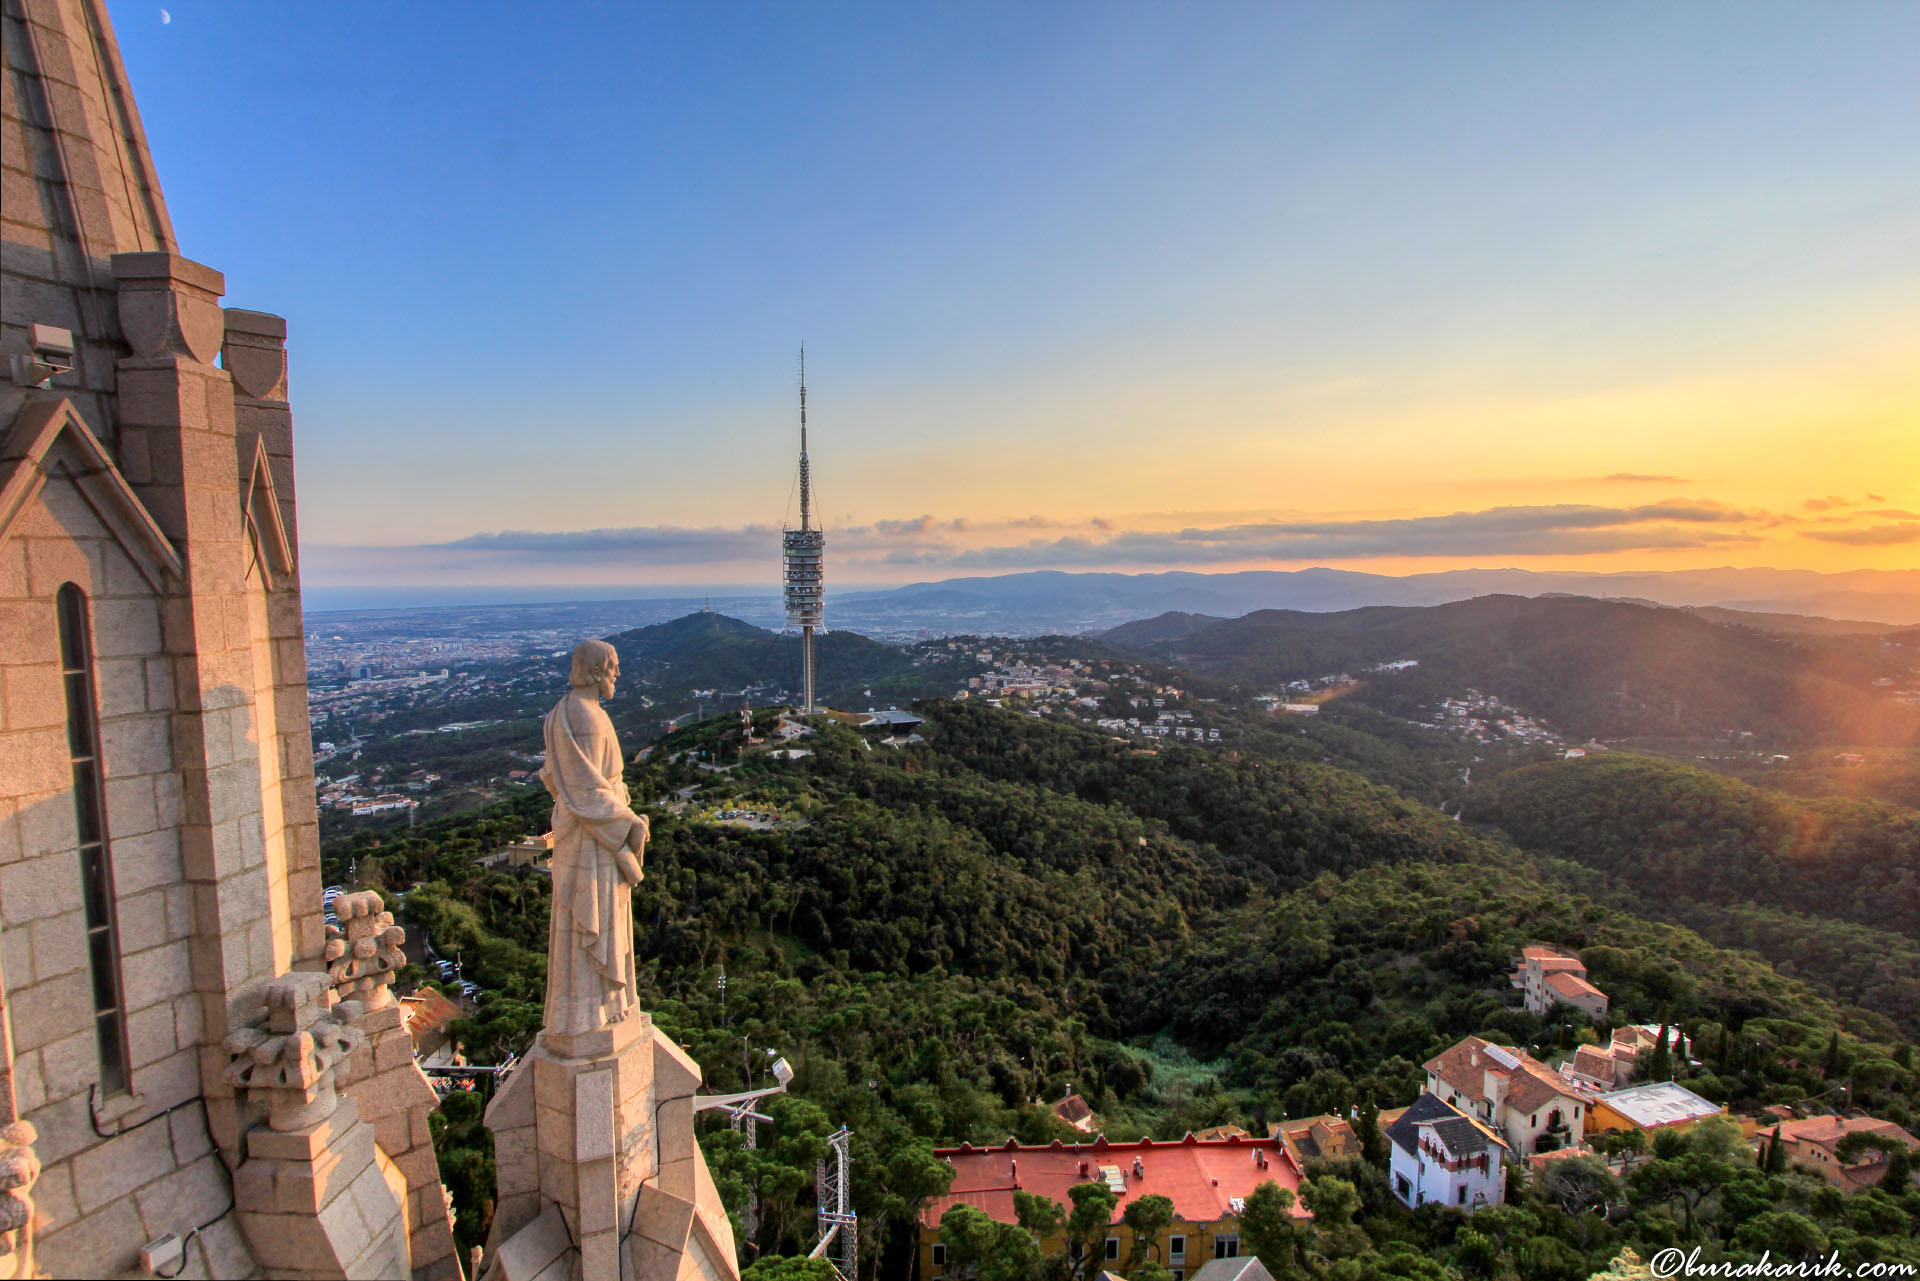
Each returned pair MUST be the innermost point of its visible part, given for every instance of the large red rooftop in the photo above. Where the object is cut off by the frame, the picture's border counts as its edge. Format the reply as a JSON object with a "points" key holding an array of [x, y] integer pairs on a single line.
{"points": [[1203, 1178]]}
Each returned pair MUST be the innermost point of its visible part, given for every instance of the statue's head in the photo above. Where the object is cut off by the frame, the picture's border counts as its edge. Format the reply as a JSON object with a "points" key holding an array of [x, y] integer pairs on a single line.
{"points": [[595, 666]]}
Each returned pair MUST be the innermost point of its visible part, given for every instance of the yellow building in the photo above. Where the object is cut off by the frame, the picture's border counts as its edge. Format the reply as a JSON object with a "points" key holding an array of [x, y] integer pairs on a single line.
{"points": [[1661, 1105]]}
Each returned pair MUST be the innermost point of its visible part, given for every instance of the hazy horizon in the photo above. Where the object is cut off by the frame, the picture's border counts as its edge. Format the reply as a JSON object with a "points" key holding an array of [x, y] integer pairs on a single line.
{"points": [[352, 598]]}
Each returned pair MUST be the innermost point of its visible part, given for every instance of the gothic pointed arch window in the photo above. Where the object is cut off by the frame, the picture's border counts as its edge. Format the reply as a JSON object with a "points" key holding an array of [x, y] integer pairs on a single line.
{"points": [[90, 820]]}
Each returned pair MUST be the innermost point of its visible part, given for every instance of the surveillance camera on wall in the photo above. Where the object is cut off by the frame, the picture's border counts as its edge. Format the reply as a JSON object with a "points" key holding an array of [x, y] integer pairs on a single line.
{"points": [[51, 356]]}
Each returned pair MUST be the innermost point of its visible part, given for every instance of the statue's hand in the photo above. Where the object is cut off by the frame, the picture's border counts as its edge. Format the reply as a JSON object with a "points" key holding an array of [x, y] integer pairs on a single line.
{"points": [[629, 864]]}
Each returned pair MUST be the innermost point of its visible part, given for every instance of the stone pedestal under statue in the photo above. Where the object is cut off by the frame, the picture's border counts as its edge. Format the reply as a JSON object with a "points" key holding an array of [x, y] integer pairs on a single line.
{"points": [[593, 1143]]}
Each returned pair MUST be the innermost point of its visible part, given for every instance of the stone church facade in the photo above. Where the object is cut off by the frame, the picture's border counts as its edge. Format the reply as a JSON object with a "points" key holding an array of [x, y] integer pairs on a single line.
{"points": [[187, 1059]]}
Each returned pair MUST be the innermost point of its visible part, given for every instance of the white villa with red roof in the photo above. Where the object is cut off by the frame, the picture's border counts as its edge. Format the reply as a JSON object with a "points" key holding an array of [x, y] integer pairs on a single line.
{"points": [[1522, 1098], [1208, 1182]]}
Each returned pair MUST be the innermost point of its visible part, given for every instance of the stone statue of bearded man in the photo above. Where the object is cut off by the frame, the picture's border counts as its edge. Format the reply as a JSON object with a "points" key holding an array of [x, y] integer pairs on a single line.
{"points": [[598, 844]]}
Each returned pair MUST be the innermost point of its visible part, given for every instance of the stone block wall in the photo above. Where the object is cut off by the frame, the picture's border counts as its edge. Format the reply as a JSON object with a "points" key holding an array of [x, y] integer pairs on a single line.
{"points": [[157, 476], [100, 1197]]}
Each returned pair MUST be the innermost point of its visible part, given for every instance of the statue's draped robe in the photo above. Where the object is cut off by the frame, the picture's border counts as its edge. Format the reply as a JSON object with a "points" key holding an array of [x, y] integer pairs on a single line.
{"points": [[590, 965]]}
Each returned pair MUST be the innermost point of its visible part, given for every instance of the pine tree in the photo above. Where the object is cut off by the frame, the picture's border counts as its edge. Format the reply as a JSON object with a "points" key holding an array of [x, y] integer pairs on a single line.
{"points": [[1776, 1154], [1660, 1062], [1366, 1126]]}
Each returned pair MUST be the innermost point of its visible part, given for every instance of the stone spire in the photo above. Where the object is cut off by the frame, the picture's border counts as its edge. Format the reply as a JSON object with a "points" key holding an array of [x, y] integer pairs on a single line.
{"points": [[80, 187]]}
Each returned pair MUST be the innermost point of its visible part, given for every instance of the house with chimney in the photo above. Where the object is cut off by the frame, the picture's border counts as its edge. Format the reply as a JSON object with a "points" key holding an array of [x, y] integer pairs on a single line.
{"points": [[1076, 1112], [1528, 1103], [1315, 1138]]}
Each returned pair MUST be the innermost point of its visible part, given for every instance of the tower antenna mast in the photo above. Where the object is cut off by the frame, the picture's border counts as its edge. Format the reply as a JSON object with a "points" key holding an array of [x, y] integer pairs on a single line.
{"points": [[806, 472], [803, 553]]}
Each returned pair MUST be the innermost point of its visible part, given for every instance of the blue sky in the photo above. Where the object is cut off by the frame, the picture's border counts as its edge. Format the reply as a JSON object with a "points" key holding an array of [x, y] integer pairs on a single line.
{"points": [[1079, 283]]}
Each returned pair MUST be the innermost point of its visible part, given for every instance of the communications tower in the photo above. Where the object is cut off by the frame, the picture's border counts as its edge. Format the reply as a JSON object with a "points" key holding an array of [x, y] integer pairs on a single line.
{"points": [[839, 1242], [803, 550]]}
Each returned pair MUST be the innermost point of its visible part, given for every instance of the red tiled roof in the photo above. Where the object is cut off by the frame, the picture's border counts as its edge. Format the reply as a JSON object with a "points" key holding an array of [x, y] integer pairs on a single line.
{"points": [[1559, 965], [427, 1011], [1334, 1129], [1591, 1060], [1072, 1109], [1536, 1088], [1572, 985], [1202, 1178], [1829, 1130], [1220, 1132], [1529, 1086]]}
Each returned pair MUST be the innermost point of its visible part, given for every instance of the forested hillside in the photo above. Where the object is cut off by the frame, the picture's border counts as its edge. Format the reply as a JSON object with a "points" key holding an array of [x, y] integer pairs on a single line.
{"points": [[939, 936], [1169, 626], [1610, 669], [1750, 867], [1669, 828]]}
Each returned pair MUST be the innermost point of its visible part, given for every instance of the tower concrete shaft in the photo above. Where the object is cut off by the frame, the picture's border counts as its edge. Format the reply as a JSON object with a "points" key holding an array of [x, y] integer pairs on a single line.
{"points": [[804, 554]]}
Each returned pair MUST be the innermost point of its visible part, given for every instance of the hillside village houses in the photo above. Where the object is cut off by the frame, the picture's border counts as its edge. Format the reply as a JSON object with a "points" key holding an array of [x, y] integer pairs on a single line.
{"points": [[1485, 1107], [1600, 1068]]}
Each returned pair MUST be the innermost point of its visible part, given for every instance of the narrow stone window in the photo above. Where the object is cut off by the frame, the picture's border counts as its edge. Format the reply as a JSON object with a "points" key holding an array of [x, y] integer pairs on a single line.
{"points": [[90, 819]]}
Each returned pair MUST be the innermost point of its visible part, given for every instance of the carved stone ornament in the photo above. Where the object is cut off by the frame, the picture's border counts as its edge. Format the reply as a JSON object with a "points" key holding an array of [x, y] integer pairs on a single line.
{"points": [[292, 1058], [169, 306], [255, 353], [19, 1169], [363, 951]]}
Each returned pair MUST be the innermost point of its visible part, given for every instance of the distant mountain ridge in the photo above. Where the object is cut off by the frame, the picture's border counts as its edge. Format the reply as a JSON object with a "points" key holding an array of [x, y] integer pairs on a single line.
{"points": [[1611, 669], [1060, 601]]}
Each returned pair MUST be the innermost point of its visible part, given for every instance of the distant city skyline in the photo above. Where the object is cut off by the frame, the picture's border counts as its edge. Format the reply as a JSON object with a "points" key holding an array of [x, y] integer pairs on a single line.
{"points": [[1389, 287]]}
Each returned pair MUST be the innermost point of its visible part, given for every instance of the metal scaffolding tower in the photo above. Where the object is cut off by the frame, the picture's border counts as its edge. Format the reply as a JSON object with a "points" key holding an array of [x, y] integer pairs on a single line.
{"points": [[803, 552], [833, 1193], [743, 1119]]}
